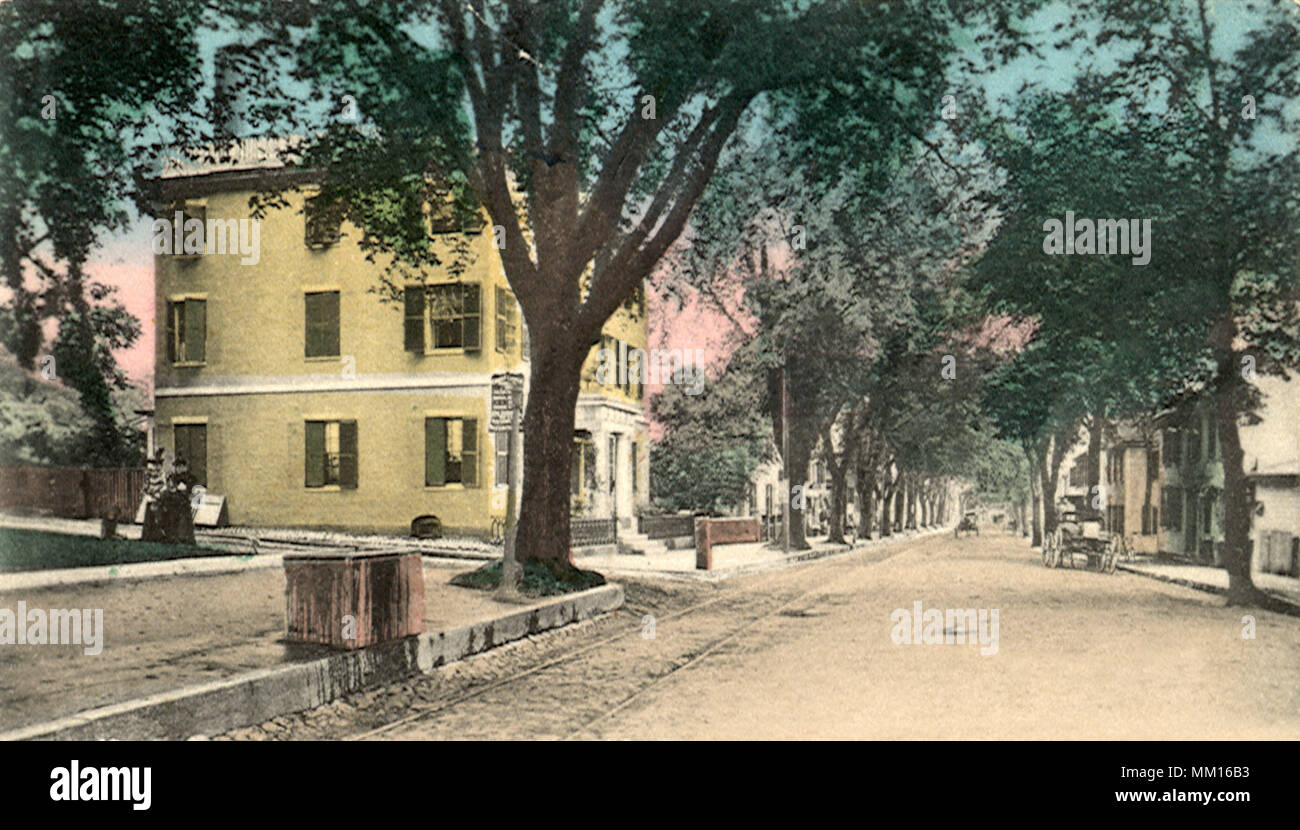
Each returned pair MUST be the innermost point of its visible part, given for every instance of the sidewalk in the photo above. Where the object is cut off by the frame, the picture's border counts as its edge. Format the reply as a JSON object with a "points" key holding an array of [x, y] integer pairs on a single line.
{"points": [[732, 560], [1215, 580], [165, 635], [240, 540]]}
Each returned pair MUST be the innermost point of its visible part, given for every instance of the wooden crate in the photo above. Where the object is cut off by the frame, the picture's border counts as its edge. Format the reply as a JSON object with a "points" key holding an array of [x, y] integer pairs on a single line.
{"points": [[382, 593]]}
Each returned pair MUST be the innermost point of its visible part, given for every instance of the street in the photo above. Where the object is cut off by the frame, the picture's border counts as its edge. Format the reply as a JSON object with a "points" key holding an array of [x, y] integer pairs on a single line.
{"points": [[806, 652]]}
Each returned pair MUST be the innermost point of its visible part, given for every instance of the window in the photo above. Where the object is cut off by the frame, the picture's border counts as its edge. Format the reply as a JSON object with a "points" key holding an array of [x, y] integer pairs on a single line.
{"points": [[413, 305], [191, 444], [332, 454], [322, 339], [1194, 442], [450, 451], [501, 459], [454, 315], [1212, 440], [322, 222], [191, 211], [582, 470], [1079, 473], [1171, 507], [613, 462], [1173, 448], [507, 320], [635, 449], [187, 330]]}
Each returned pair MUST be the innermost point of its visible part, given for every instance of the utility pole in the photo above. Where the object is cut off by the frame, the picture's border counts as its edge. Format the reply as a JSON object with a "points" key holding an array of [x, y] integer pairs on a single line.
{"points": [[510, 388]]}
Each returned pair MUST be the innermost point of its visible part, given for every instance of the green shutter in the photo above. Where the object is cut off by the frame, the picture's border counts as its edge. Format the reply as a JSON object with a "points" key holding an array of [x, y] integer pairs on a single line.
{"points": [[414, 305], [435, 452], [322, 310], [469, 452], [196, 330], [471, 309], [348, 454], [171, 332], [315, 453]]}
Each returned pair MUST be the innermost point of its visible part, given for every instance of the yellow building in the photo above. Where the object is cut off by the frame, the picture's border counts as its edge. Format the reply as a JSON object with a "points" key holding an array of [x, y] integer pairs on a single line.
{"points": [[307, 396]]}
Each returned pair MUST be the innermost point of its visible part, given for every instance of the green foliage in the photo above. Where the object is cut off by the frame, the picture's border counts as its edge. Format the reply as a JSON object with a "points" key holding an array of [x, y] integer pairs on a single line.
{"points": [[30, 550], [81, 125], [713, 441], [541, 578]]}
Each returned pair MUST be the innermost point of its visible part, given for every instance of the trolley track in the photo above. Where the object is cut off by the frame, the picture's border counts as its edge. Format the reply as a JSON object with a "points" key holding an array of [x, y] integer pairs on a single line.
{"points": [[573, 694]]}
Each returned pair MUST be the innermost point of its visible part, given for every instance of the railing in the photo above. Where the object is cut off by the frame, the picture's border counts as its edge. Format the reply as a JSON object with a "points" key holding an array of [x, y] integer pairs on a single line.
{"points": [[593, 532], [666, 527]]}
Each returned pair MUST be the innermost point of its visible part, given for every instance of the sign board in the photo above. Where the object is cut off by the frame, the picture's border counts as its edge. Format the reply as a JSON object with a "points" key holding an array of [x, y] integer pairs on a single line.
{"points": [[507, 398], [208, 509]]}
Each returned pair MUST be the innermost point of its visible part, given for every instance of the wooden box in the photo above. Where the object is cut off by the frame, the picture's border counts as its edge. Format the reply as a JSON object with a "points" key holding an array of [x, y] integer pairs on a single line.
{"points": [[353, 599]]}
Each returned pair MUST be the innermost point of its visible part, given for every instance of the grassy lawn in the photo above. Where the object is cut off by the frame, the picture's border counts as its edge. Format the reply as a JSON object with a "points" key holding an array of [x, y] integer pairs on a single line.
{"points": [[31, 550]]}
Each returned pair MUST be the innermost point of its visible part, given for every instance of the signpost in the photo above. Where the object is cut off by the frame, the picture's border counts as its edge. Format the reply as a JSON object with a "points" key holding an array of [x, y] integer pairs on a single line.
{"points": [[507, 401]]}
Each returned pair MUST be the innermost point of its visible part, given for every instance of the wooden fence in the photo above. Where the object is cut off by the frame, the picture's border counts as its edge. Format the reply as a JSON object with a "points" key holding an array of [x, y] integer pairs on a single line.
{"points": [[73, 492]]}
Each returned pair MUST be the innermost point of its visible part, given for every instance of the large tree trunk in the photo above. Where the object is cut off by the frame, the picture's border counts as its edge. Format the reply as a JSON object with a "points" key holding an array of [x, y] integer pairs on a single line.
{"points": [[866, 500], [543, 527], [1230, 403], [889, 486], [1035, 457], [839, 476], [1060, 446], [797, 469]]}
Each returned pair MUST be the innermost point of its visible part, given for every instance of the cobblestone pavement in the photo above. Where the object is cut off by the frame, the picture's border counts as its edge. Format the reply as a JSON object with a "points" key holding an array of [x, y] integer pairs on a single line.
{"points": [[807, 652]]}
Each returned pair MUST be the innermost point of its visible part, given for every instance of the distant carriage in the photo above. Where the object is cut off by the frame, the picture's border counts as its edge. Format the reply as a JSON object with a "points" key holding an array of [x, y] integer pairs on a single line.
{"points": [[967, 524]]}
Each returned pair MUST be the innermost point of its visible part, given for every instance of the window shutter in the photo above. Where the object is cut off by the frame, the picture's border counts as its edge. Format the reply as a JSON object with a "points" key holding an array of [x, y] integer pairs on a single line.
{"points": [[414, 305], [469, 452], [471, 309], [322, 309], [172, 309], [435, 452], [315, 453], [196, 329], [348, 454]]}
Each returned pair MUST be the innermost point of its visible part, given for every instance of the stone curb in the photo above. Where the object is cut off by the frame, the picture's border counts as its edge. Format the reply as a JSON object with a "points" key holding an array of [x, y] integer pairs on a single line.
{"points": [[1206, 587], [248, 699]]}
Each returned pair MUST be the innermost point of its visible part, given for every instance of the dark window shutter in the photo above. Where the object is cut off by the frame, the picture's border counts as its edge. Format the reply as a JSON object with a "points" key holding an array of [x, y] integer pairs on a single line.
{"points": [[435, 452], [322, 311], [471, 309], [173, 309], [469, 452], [348, 454], [315, 453], [196, 330], [414, 305]]}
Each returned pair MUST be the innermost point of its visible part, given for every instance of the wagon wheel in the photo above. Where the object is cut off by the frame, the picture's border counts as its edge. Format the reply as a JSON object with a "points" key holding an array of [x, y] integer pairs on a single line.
{"points": [[1113, 551]]}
